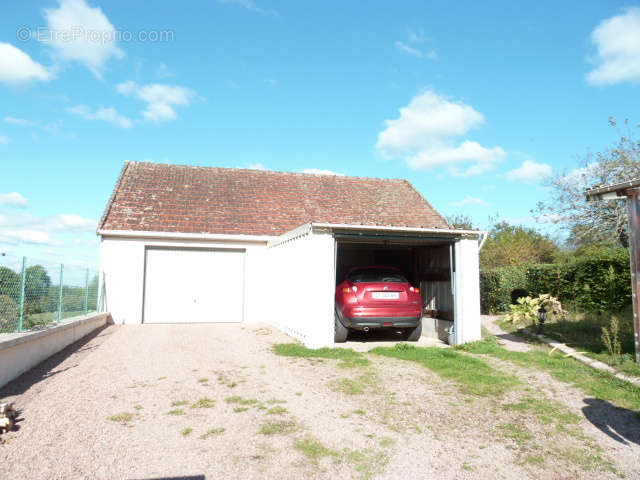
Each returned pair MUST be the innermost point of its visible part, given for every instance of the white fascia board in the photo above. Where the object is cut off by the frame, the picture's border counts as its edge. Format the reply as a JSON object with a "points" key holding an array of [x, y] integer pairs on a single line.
{"points": [[605, 196], [380, 228], [300, 231], [186, 236]]}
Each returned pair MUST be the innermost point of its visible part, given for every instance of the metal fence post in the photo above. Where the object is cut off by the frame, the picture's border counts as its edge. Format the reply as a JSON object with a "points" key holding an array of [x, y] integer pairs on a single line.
{"points": [[101, 296], [60, 293], [22, 289], [86, 292]]}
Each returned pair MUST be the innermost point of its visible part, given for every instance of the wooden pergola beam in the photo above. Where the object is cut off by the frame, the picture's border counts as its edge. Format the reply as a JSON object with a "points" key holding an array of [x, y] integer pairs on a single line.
{"points": [[633, 207], [630, 190]]}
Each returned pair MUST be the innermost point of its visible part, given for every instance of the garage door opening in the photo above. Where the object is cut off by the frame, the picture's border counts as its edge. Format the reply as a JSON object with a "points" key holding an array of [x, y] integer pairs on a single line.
{"points": [[427, 263]]}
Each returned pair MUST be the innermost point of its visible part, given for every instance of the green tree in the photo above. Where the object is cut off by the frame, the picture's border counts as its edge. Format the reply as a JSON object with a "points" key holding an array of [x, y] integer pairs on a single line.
{"points": [[9, 283], [510, 245], [460, 221], [37, 283], [9, 312], [594, 222]]}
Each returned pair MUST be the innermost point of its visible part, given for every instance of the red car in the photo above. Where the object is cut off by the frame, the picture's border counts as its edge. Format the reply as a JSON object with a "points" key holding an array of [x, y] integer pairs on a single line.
{"points": [[377, 297]]}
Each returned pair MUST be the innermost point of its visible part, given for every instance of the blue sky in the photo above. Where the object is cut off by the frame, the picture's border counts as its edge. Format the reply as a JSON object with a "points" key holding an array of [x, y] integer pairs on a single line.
{"points": [[476, 103]]}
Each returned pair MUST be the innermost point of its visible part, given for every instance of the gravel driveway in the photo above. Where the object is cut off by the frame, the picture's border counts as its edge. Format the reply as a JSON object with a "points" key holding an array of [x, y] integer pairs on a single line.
{"points": [[214, 401]]}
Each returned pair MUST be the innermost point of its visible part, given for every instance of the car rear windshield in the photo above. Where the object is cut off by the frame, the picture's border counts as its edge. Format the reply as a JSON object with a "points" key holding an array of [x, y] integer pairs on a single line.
{"points": [[376, 275]]}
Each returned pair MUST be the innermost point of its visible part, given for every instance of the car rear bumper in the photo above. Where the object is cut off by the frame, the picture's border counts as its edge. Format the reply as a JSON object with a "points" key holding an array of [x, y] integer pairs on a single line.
{"points": [[358, 318], [359, 323]]}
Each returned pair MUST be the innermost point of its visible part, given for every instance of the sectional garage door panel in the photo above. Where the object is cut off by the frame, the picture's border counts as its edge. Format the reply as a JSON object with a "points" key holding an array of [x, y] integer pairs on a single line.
{"points": [[193, 286]]}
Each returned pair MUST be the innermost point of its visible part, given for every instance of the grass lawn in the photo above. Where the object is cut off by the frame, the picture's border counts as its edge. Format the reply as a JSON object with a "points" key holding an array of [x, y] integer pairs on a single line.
{"points": [[601, 385], [584, 333], [472, 375], [531, 420]]}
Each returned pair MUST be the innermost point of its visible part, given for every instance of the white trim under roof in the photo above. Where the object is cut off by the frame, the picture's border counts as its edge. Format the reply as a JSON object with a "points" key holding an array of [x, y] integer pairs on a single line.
{"points": [[611, 191], [383, 228], [308, 227], [186, 236], [273, 240]]}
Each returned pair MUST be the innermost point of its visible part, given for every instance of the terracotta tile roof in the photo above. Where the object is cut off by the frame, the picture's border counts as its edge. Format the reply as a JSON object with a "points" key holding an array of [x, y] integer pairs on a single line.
{"points": [[178, 198]]}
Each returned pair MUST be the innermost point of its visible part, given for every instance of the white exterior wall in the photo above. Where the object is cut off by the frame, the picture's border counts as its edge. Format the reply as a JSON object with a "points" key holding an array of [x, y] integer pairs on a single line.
{"points": [[467, 291], [289, 284], [122, 268], [20, 352], [301, 302]]}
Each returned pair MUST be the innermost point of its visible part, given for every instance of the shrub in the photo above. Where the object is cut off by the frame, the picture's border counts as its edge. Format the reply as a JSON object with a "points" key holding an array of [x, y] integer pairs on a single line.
{"points": [[597, 281], [544, 278], [527, 309], [610, 338], [9, 312], [496, 287]]}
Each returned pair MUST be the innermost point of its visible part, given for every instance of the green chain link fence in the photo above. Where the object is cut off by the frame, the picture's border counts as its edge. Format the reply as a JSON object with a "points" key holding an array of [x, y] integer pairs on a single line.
{"points": [[35, 293]]}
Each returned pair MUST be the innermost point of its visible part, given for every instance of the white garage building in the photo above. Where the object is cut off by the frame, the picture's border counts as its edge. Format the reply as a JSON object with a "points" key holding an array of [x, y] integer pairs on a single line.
{"points": [[182, 244]]}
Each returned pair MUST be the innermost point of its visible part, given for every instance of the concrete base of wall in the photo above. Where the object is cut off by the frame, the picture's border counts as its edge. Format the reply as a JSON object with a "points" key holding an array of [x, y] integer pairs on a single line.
{"points": [[20, 352], [436, 328]]}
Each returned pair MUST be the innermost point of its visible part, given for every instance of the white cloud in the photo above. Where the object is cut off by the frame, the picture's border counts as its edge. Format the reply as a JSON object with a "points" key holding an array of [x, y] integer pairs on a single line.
{"points": [[425, 134], [108, 114], [54, 128], [73, 222], [407, 49], [160, 98], [17, 68], [404, 48], [249, 5], [617, 40], [4, 139], [469, 200], [320, 171], [256, 166], [164, 71], [530, 172], [18, 121], [26, 236], [23, 227], [416, 37], [413, 50], [13, 199], [81, 33]]}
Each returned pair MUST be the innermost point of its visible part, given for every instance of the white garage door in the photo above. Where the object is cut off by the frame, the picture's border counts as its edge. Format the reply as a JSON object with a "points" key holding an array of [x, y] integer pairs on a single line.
{"points": [[193, 285]]}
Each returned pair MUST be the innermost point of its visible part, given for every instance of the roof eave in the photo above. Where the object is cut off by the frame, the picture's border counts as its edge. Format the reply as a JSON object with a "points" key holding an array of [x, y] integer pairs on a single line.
{"points": [[611, 191], [391, 228], [185, 236]]}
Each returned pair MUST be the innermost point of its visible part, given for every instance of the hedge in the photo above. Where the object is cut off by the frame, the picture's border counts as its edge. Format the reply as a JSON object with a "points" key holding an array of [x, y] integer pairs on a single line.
{"points": [[595, 282], [497, 285]]}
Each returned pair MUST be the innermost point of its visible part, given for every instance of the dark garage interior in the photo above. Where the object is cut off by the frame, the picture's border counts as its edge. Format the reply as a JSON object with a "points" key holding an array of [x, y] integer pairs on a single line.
{"points": [[425, 262]]}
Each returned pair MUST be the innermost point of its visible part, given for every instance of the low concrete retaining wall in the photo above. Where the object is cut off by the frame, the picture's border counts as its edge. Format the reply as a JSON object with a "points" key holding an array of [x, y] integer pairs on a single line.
{"points": [[20, 352]]}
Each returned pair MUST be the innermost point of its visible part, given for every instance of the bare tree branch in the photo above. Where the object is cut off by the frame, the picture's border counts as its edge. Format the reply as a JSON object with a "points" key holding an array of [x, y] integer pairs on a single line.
{"points": [[594, 222]]}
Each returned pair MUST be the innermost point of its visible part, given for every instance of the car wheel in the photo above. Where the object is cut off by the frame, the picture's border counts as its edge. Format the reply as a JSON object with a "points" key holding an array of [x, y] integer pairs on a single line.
{"points": [[340, 332], [412, 334]]}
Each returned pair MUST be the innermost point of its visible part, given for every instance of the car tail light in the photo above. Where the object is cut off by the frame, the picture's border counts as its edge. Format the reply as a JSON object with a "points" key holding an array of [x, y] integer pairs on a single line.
{"points": [[353, 289], [414, 289]]}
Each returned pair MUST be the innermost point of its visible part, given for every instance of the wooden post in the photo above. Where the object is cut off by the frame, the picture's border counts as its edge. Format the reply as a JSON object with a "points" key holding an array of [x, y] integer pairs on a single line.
{"points": [[633, 205]]}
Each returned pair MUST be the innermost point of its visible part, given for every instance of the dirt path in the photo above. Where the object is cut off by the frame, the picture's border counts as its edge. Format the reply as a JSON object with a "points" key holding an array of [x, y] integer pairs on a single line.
{"points": [[104, 410], [507, 340]]}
